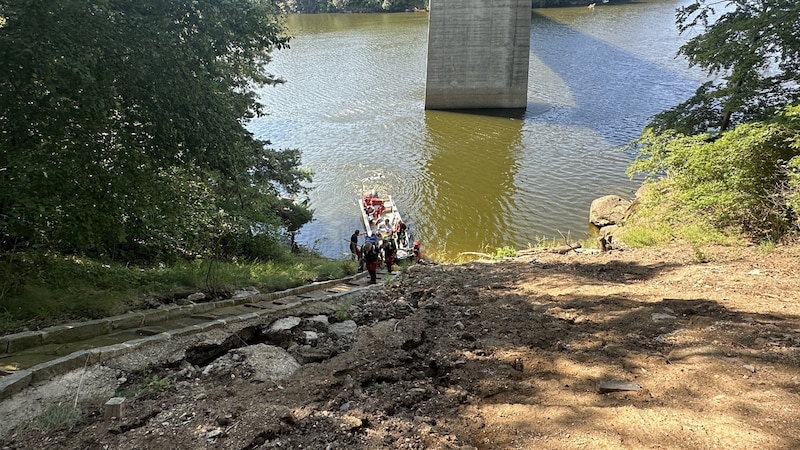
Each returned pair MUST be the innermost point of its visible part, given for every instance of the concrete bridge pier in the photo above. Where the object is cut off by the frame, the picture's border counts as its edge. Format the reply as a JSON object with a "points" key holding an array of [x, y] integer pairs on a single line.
{"points": [[478, 53]]}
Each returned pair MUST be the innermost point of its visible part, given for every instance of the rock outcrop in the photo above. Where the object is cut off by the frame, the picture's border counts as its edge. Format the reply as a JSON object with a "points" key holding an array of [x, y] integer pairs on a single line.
{"points": [[609, 210], [608, 213]]}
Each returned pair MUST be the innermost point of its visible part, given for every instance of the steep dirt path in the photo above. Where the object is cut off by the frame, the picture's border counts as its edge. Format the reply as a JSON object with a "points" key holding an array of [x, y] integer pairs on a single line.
{"points": [[639, 349]]}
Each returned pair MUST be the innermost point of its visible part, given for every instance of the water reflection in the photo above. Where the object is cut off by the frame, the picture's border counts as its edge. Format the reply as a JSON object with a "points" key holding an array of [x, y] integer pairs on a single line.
{"points": [[469, 169]]}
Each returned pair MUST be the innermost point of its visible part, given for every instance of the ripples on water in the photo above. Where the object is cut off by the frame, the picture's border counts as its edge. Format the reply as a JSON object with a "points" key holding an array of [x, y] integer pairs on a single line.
{"points": [[354, 104]]}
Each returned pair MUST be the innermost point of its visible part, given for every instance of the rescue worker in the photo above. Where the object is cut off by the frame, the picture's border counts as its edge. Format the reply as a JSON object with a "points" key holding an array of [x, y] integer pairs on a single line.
{"points": [[355, 251], [371, 257], [389, 253], [416, 252]]}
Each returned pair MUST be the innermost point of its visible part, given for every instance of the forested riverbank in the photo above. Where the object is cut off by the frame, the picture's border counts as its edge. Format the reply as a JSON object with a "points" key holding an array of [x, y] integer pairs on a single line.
{"points": [[373, 6]]}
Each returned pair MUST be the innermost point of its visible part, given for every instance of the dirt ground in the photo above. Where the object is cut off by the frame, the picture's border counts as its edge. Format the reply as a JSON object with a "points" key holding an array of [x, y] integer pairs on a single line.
{"points": [[631, 349]]}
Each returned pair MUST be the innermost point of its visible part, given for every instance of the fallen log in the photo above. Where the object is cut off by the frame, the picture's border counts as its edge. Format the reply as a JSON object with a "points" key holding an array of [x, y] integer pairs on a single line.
{"points": [[479, 254], [566, 248]]}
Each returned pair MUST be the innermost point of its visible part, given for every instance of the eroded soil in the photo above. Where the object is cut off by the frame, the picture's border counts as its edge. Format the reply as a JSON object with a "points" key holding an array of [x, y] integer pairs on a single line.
{"points": [[525, 353]]}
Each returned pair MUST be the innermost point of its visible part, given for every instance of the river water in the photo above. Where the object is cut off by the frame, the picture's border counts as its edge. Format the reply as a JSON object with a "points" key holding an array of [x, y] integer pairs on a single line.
{"points": [[353, 102]]}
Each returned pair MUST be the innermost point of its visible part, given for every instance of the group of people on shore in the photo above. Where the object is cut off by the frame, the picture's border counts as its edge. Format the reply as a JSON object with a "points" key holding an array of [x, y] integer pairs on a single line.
{"points": [[384, 235], [375, 252]]}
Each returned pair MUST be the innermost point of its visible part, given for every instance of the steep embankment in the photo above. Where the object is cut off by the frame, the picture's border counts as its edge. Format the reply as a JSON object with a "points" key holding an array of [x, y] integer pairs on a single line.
{"points": [[636, 349]]}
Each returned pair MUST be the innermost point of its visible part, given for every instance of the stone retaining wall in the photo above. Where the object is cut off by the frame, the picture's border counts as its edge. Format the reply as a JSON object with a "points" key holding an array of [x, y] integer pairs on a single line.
{"points": [[11, 384]]}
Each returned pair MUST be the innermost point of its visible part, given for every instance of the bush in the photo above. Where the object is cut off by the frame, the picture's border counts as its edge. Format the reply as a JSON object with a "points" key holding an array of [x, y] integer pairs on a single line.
{"points": [[792, 192], [736, 181]]}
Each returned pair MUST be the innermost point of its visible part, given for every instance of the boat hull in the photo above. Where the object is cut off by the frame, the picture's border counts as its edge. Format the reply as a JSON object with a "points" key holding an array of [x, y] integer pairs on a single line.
{"points": [[381, 219]]}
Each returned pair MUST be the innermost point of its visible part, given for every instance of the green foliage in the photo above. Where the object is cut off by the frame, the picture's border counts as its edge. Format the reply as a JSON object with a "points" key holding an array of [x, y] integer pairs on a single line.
{"points": [[336, 269], [57, 416], [55, 288], [154, 386], [404, 266], [792, 192], [792, 168], [293, 215], [701, 233], [729, 153], [504, 252], [767, 246], [735, 180], [699, 255], [356, 5], [123, 128], [752, 49], [342, 312], [145, 383], [659, 219], [637, 234]]}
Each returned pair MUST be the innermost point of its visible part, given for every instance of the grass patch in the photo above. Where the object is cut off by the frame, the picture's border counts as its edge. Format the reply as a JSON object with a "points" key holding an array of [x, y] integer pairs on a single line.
{"points": [[544, 242], [659, 219], [154, 386], [767, 246], [403, 265], [700, 256], [146, 384], [46, 288], [640, 235], [504, 252], [342, 312], [57, 416]]}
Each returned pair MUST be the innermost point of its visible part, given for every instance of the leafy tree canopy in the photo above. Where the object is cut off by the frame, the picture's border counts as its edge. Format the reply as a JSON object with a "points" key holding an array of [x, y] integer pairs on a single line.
{"points": [[752, 49], [122, 125], [730, 152], [746, 180]]}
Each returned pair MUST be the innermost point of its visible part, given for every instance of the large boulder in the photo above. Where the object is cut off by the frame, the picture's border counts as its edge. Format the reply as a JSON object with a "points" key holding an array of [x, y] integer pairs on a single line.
{"points": [[344, 330], [260, 362], [267, 362], [608, 210]]}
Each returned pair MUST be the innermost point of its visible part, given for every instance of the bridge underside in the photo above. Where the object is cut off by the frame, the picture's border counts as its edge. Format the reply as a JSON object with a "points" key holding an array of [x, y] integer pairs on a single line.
{"points": [[478, 54]]}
